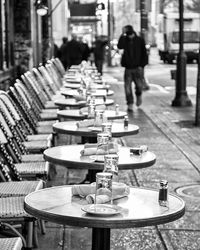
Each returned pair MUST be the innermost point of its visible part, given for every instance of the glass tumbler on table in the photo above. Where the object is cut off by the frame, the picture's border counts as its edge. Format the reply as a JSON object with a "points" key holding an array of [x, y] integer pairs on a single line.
{"points": [[103, 186], [98, 119], [102, 142], [107, 128], [111, 165]]}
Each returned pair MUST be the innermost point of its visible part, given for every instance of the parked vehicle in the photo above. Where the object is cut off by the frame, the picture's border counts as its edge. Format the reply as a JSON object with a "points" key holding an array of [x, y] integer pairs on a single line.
{"points": [[168, 36]]}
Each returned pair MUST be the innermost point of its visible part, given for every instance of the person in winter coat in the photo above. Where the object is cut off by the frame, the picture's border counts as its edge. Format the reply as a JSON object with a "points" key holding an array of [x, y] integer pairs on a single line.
{"points": [[134, 59]]}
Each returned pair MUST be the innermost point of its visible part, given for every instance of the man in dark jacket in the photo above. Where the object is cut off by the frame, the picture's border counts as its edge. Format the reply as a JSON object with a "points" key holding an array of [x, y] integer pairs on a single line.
{"points": [[134, 59], [63, 52], [99, 53], [75, 51]]}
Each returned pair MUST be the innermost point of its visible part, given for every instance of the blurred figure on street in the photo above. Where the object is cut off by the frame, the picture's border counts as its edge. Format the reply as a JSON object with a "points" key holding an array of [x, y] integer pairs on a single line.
{"points": [[85, 49], [91, 54], [55, 50], [63, 52], [75, 51], [99, 53], [134, 59]]}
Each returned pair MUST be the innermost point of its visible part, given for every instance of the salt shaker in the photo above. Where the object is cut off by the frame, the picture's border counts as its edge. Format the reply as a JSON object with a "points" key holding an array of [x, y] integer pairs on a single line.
{"points": [[117, 109], [125, 121], [163, 193]]}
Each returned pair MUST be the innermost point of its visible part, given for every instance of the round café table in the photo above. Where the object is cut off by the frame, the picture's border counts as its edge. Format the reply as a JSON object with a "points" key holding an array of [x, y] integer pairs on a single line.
{"points": [[77, 115], [139, 209], [96, 92], [72, 103], [69, 156], [93, 86], [70, 127]]}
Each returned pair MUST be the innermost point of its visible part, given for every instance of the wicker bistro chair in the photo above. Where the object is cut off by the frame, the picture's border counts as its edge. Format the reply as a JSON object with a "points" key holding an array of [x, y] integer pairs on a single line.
{"points": [[18, 169], [38, 127], [11, 188], [11, 243], [42, 83], [22, 128], [11, 205], [23, 147], [36, 90], [42, 115], [55, 72], [49, 81], [59, 66], [11, 214], [54, 75]]}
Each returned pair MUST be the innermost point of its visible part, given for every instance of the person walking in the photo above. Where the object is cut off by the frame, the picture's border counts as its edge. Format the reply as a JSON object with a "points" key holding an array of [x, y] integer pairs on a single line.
{"points": [[99, 53], [85, 49], [134, 59], [75, 51], [63, 52]]}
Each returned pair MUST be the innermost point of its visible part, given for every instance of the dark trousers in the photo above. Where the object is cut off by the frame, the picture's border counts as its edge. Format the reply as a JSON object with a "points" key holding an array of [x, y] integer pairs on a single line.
{"points": [[136, 76], [99, 65]]}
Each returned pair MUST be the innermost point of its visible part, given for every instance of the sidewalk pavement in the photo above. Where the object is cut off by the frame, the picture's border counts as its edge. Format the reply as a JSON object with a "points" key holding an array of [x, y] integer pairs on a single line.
{"points": [[169, 133]]}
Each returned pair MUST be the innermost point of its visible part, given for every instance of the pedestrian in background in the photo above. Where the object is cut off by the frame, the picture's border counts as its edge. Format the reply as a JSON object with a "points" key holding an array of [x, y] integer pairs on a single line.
{"points": [[99, 53], [63, 52], [75, 51], [134, 59], [84, 48]]}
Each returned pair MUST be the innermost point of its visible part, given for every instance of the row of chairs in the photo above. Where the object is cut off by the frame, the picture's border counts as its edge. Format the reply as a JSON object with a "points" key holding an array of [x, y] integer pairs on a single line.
{"points": [[27, 112]]}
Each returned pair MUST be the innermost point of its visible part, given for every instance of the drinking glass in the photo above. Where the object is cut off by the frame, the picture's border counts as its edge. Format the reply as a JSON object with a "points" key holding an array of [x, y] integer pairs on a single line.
{"points": [[99, 115], [102, 141], [91, 110], [111, 165], [104, 185], [107, 128]]}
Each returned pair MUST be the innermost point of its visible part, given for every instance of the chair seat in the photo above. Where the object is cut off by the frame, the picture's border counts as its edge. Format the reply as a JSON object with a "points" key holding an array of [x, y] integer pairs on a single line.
{"points": [[11, 243], [12, 207], [44, 129], [51, 111], [50, 105], [39, 137], [33, 168], [36, 146], [46, 123], [19, 188], [46, 116], [32, 158]]}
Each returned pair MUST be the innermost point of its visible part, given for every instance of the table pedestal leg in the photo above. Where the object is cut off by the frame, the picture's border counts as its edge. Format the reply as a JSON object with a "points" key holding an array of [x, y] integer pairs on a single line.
{"points": [[101, 239], [91, 175], [85, 139]]}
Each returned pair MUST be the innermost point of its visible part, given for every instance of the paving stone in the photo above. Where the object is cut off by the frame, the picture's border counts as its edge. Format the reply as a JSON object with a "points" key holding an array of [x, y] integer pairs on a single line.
{"points": [[127, 177], [136, 239], [51, 239], [190, 221], [83, 241], [181, 240], [172, 175]]}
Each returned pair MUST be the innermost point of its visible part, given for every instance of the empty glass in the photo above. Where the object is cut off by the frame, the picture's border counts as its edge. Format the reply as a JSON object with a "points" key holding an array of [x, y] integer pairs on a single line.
{"points": [[107, 128], [99, 117], [91, 110], [111, 165], [102, 143], [103, 187]]}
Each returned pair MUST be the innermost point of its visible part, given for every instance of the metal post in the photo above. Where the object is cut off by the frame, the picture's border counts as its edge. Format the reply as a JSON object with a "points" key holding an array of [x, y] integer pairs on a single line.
{"points": [[109, 35], [143, 19], [197, 114], [181, 97]]}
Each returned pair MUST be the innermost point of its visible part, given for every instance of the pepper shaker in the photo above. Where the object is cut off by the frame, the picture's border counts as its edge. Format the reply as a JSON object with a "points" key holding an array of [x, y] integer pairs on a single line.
{"points": [[163, 193]]}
